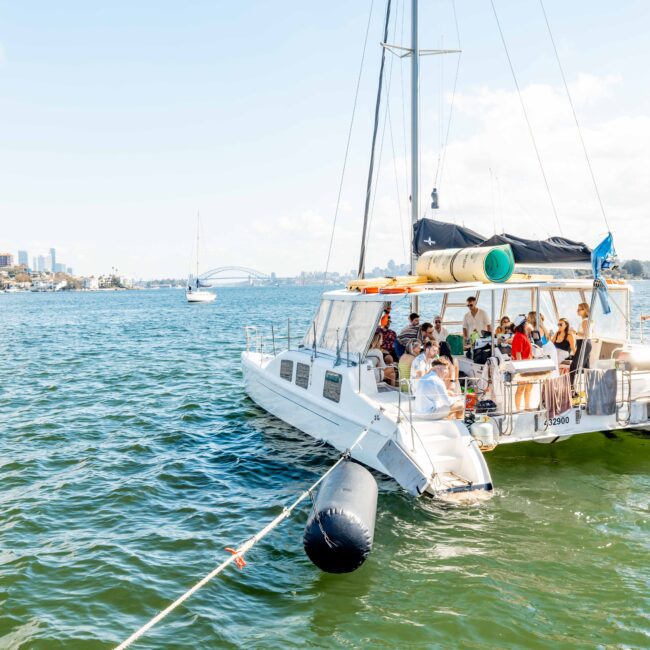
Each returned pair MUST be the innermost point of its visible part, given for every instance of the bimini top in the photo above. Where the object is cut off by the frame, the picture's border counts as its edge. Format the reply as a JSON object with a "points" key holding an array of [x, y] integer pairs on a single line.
{"points": [[557, 252]]}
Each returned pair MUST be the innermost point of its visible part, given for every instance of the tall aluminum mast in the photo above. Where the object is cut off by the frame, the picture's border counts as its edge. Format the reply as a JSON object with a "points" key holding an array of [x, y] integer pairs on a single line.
{"points": [[415, 118]]}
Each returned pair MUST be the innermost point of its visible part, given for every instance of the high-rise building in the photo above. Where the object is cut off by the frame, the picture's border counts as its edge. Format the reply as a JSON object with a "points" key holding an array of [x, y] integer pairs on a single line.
{"points": [[6, 259], [43, 264], [58, 267], [70, 271], [23, 258], [53, 258]]}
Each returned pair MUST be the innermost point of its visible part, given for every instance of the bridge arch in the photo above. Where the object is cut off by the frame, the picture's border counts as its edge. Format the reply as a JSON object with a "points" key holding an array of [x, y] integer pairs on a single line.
{"points": [[234, 273]]}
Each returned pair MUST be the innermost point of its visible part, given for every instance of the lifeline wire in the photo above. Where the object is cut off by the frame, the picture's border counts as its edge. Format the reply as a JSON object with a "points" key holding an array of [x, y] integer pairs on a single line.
{"points": [[347, 146], [523, 108], [575, 116], [238, 556]]}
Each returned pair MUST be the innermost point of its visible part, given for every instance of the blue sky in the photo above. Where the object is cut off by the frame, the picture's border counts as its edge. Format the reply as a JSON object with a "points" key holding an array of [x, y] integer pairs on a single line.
{"points": [[118, 121]]}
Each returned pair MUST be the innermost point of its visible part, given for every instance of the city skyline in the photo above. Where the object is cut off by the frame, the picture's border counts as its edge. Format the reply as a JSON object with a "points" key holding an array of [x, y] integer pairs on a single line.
{"points": [[113, 150]]}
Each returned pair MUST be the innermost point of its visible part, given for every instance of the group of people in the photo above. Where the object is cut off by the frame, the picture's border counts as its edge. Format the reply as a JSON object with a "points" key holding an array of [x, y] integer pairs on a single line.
{"points": [[421, 352], [423, 357]]}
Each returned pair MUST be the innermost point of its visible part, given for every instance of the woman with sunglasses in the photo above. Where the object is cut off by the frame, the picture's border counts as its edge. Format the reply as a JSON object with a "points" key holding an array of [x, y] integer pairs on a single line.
{"points": [[563, 339], [503, 327]]}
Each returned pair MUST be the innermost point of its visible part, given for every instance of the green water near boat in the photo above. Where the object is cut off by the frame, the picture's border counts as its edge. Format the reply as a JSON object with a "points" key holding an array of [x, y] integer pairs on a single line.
{"points": [[130, 457]]}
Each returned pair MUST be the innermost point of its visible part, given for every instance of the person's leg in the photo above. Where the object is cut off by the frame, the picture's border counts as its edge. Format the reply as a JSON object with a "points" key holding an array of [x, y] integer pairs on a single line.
{"points": [[518, 395], [528, 389]]}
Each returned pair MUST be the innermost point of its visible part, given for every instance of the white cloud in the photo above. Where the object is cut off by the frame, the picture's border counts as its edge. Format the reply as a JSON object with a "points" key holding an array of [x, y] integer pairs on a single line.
{"points": [[492, 177]]}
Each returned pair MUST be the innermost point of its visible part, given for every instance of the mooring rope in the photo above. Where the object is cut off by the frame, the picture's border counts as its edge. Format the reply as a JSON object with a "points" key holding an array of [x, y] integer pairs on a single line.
{"points": [[237, 556]]}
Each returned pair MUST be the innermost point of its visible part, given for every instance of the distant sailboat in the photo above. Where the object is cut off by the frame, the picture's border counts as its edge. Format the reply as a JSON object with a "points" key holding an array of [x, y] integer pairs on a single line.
{"points": [[196, 289]]}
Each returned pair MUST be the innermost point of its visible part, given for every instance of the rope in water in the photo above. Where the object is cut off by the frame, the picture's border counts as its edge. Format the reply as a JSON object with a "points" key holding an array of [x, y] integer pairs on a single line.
{"points": [[237, 556]]}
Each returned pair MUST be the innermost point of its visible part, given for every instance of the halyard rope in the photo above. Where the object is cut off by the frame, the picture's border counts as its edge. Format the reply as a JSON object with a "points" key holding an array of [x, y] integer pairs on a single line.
{"points": [[237, 556]]}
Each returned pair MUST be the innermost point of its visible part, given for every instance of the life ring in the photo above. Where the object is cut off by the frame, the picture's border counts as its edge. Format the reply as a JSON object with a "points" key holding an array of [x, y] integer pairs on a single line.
{"points": [[394, 290], [371, 290]]}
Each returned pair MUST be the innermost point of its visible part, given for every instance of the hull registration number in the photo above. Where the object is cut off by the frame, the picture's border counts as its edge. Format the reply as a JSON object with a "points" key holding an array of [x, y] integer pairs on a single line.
{"points": [[554, 422]]}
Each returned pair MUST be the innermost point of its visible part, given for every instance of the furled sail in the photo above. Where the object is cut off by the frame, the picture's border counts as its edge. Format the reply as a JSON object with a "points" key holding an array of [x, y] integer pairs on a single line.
{"points": [[430, 234]]}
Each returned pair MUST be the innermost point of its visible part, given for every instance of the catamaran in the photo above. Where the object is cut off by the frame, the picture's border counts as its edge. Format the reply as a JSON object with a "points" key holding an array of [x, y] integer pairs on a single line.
{"points": [[326, 384]]}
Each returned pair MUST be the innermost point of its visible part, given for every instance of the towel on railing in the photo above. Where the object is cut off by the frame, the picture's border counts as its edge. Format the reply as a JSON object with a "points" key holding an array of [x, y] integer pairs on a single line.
{"points": [[556, 395], [601, 392]]}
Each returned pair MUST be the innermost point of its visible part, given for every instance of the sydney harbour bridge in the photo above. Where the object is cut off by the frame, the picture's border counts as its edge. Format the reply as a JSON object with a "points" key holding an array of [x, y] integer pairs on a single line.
{"points": [[237, 275]]}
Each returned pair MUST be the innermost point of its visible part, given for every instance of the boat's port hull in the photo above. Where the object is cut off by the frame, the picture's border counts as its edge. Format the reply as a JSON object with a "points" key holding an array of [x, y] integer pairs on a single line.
{"points": [[439, 452]]}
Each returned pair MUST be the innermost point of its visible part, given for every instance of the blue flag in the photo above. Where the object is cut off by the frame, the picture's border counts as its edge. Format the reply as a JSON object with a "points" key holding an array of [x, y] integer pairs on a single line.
{"points": [[603, 257]]}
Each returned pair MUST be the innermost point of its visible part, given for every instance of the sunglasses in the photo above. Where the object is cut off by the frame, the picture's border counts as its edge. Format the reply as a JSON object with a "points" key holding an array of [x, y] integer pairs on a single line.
{"points": [[437, 322]]}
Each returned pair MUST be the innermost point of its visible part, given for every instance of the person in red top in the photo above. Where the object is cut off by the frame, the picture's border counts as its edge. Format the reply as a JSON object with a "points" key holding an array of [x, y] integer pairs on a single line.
{"points": [[522, 349]]}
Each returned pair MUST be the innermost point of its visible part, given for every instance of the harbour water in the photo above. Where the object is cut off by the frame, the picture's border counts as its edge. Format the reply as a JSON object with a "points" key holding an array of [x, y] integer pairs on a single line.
{"points": [[130, 457]]}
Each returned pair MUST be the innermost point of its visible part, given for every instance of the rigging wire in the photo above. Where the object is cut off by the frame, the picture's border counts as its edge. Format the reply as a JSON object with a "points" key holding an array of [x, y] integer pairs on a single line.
{"points": [[441, 168], [362, 255], [575, 116], [523, 108], [347, 146], [387, 86], [401, 71], [399, 198]]}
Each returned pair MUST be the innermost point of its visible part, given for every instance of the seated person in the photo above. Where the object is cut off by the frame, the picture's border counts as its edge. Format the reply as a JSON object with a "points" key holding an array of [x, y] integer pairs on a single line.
{"points": [[540, 335], [410, 332], [432, 396], [377, 356], [502, 327], [440, 333], [448, 371], [406, 360], [426, 333], [475, 321], [388, 337], [422, 363], [504, 334]]}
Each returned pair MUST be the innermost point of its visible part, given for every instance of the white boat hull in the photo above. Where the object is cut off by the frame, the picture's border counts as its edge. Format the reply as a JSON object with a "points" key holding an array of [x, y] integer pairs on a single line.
{"points": [[200, 296], [441, 452]]}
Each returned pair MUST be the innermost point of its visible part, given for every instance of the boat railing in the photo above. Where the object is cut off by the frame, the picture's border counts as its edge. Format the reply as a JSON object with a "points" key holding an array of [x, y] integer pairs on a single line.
{"points": [[645, 318], [259, 341]]}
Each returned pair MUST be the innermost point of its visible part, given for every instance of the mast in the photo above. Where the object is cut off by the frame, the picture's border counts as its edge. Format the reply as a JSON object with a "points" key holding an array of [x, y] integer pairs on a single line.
{"points": [[415, 118], [197, 247]]}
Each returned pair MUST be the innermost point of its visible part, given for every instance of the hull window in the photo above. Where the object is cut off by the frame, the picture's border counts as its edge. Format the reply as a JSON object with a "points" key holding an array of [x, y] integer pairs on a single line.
{"points": [[332, 386], [302, 375], [286, 369]]}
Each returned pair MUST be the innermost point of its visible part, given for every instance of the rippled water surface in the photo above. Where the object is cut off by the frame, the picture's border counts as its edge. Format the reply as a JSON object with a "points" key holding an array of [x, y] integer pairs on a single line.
{"points": [[130, 457]]}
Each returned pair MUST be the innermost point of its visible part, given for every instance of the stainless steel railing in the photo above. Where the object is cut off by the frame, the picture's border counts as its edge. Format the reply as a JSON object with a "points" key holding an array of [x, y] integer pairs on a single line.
{"points": [[257, 340]]}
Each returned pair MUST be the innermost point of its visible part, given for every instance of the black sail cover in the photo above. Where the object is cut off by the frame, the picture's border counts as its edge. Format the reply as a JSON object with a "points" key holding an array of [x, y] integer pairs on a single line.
{"points": [[431, 235]]}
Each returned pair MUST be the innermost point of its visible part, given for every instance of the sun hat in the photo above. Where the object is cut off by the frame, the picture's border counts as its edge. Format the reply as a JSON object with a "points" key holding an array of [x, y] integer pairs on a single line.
{"points": [[520, 320]]}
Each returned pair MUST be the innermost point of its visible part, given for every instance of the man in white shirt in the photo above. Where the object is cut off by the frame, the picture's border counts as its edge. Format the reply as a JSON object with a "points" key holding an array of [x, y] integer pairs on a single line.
{"points": [[422, 363], [431, 396], [440, 333], [475, 320]]}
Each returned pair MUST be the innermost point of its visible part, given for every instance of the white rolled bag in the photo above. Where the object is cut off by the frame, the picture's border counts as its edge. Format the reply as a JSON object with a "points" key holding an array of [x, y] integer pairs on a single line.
{"points": [[476, 264]]}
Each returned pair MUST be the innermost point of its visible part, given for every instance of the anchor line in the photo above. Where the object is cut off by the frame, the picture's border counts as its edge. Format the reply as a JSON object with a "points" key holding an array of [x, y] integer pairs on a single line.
{"points": [[237, 555]]}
